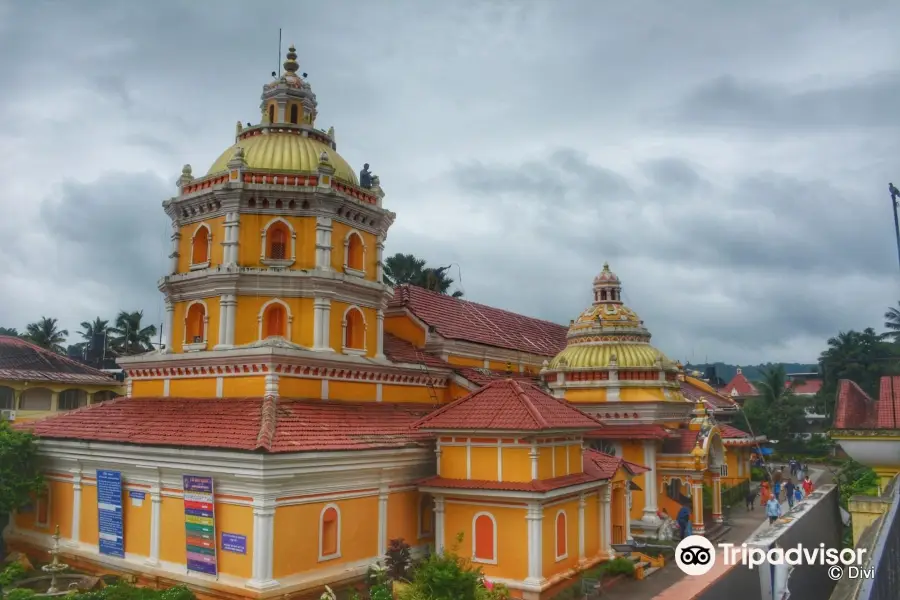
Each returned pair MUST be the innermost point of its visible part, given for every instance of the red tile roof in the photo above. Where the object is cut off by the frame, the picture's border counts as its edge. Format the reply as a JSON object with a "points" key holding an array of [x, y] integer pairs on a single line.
{"points": [[804, 387], [682, 442], [454, 318], [400, 351], [240, 424], [633, 432], [713, 400], [485, 376], [597, 467], [856, 410], [508, 405], [21, 360], [740, 385]]}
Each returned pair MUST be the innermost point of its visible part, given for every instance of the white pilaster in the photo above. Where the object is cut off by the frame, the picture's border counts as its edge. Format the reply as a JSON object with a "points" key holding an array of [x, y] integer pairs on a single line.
{"points": [[606, 511], [382, 519], [650, 491], [322, 325], [439, 524], [324, 393], [628, 500], [379, 392], [582, 502], [323, 243], [220, 386], [223, 323], [271, 385], [176, 242], [231, 320], [379, 253], [533, 455], [166, 383], [76, 506], [263, 545], [535, 517], [379, 334], [129, 387], [155, 522], [168, 334]]}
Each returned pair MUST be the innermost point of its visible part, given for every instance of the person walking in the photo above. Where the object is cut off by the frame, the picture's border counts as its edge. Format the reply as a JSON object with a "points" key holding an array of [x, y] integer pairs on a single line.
{"points": [[684, 520], [773, 510], [763, 493], [789, 488], [777, 490], [798, 494], [751, 498], [807, 486]]}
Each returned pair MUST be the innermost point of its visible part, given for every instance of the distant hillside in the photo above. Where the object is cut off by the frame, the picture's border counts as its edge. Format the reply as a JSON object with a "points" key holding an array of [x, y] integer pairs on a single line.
{"points": [[751, 372]]}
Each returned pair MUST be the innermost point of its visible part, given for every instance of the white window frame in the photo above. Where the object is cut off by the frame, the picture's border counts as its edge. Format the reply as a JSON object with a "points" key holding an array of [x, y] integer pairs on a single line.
{"points": [[287, 310], [281, 263], [355, 351], [347, 269], [189, 345], [195, 266], [565, 555], [337, 553], [37, 508]]}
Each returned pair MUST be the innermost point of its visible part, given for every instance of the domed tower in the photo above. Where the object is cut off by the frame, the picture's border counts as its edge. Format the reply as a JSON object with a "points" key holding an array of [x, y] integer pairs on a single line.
{"points": [[279, 243], [609, 367]]}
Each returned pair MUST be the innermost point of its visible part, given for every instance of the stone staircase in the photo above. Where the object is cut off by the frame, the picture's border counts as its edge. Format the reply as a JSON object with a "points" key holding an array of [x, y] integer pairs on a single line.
{"points": [[644, 565]]}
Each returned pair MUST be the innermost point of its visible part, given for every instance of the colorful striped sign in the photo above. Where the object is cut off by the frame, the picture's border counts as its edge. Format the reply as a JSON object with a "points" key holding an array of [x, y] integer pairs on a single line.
{"points": [[200, 524]]}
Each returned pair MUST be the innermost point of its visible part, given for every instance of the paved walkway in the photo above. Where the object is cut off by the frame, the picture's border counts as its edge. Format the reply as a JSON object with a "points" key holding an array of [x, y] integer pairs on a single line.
{"points": [[743, 523]]}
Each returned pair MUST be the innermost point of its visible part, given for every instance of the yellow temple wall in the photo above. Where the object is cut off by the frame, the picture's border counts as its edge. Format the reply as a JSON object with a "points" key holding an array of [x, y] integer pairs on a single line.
{"points": [[358, 534], [511, 540], [516, 464], [409, 393], [403, 517], [339, 233], [351, 391], [586, 395], [142, 388], [592, 525], [136, 522], [641, 394], [247, 328], [299, 387], [404, 328], [217, 230], [557, 461], [237, 519], [172, 537], [485, 465], [337, 329], [191, 387], [633, 451], [551, 565], [453, 462], [465, 361], [244, 386], [250, 236]]}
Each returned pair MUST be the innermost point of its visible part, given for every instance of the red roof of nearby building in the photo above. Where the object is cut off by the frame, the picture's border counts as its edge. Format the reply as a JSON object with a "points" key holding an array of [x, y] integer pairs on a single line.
{"points": [[508, 405], [633, 432], [400, 351], [240, 424], [21, 360], [682, 442], [713, 400], [804, 387], [458, 319], [740, 385], [485, 376], [597, 467], [856, 410]]}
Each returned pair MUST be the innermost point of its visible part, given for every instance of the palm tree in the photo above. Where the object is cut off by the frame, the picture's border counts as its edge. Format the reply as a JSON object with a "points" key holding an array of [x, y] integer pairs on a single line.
{"points": [[10, 331], [436, 280], [775, 412], [892, 322], [46, 334], [400, 269], [91, 328], [129, 337]]}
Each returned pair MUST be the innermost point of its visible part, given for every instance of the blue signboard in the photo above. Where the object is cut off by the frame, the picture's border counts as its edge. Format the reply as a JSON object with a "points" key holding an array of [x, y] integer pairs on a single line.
{"points": [[232, 542], [136, 495], [109, 503]]}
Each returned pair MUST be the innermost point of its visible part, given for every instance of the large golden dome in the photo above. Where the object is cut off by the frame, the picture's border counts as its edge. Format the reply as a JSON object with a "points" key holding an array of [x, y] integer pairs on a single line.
{"points": [[287, 151], [609, 334]]}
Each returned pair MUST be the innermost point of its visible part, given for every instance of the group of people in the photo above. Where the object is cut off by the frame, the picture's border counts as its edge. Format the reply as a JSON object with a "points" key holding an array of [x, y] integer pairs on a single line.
{"points": [[780, 490]]}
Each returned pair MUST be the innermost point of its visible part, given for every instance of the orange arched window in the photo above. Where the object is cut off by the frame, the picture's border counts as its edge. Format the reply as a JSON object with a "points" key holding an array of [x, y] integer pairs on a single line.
{"points": [[293, 113], [426, 516], [355, 252], [271, 113], [195, 324], [275, 321], [329, 533], [42, 508], [355, 331], [562, 548], [200, 246], [484, 539], [277, 241]]}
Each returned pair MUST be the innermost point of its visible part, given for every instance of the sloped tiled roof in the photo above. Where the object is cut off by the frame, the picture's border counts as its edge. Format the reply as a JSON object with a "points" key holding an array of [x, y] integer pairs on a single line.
{"points": [[485, 376], [508, 405], [854, 408], [696, 393], [804, 387], [21, 360], [240, 424], [457, 319], [740, 385], [605, 465], [682, 442], [400, 351], [632, 432]]}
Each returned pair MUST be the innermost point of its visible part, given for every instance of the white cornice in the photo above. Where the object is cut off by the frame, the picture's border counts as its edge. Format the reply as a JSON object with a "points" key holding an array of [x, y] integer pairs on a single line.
{"points": [[508, 494]]}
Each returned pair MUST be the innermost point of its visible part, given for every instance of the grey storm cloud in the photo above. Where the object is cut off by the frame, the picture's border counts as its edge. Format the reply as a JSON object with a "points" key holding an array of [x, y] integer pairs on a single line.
{"points": [[730, 160]]}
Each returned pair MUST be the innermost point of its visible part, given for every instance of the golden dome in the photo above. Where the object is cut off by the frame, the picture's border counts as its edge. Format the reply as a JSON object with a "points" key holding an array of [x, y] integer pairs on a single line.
{"points": [[583, 356], [285, 152]]}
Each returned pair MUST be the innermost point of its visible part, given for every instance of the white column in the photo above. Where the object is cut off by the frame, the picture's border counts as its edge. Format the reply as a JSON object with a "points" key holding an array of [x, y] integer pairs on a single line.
{"points": [[230, 320], [535, 518], [223, 322], [76, 506], [232, 233], [168, 334], [697, 500], [439, 524], [533, 455], [271, 389], [382, 519], [323, 243], [650, 491], [581, 505], [606, 509], [129, 387], [628, 500], [176, 242], [379, 334], [263, 545], [155, 522], [379, 250], [321, 324]]}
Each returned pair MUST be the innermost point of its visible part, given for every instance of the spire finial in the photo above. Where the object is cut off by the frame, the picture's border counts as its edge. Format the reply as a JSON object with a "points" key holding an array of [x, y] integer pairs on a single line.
{"points": [[290, 65]]}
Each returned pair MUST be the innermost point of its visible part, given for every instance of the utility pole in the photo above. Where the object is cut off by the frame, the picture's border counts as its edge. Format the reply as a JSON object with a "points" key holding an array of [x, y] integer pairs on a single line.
{"points": [[895, 193]]}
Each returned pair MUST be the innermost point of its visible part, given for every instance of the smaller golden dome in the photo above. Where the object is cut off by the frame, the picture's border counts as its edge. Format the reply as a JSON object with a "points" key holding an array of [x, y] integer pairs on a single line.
{"points": [[601, 356]]}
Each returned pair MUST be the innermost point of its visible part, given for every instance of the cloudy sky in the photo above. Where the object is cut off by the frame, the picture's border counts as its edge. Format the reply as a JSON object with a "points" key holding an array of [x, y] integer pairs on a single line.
{"points": [[729, 159]]}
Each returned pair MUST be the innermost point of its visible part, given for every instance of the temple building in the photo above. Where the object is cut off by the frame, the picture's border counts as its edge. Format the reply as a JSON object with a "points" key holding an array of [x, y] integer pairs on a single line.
{"points": [[302, 413], [36, 382]]}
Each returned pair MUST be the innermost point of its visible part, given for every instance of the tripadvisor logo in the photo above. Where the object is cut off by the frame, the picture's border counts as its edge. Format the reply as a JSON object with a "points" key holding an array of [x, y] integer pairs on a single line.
{"points": [[695, 555]]}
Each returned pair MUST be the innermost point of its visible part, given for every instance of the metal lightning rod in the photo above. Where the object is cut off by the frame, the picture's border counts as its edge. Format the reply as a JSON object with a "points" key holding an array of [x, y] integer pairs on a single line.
{"points": [[279, 52], [894, 194]]}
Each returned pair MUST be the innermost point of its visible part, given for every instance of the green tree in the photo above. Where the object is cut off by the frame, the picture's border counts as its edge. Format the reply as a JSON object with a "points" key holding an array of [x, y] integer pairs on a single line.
{"points": [[20, 477], [402, 269], [776, 411], [89, 329], [892, 323], [47, 334], [12, 331], [130, 336]]}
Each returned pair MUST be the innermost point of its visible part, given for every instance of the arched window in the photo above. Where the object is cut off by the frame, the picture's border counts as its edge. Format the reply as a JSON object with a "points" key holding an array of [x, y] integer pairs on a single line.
{"points": [[195, 326], [278, 244], [426, 516], [200, 247], [484, 538], [562, 536], [7, 398], [104, 396], [354, 253], [42, 508], [72, 399], [271, 113], [354, 330], [274, 321], [330, 533], [293, 113]]}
